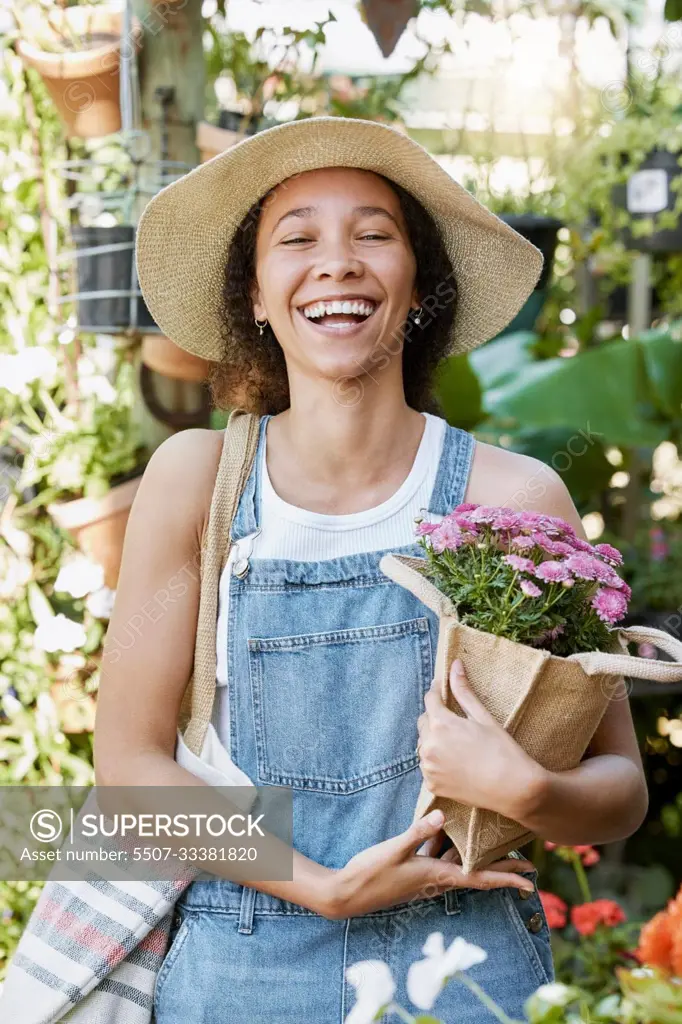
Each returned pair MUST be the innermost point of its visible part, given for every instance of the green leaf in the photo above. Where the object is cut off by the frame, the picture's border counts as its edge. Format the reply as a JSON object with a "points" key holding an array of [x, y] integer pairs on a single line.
{"points": [[600, 391], [459, 392], [672, 10], [502, 359], [663, 360], [41, 609]]}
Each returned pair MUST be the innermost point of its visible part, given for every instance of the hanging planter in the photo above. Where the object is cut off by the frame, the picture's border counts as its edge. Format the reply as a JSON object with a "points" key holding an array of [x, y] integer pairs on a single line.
{"points": [[98, 525], [109, 297], [646, 195], [77, 50], [542, 232], [161, 354]]}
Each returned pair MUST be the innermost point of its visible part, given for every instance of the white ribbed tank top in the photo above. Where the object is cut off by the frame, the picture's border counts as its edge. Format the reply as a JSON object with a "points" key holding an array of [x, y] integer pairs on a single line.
{"points": [[287, 531]]}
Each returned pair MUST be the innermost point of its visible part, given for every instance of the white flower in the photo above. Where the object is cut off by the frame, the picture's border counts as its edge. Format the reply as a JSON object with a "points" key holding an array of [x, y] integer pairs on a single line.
{"points": [[59, 634], [374, 987], [79, 577], [555, 993], [97, 386], [14, 573], [19, 370], [426, 978], [101, 603]]}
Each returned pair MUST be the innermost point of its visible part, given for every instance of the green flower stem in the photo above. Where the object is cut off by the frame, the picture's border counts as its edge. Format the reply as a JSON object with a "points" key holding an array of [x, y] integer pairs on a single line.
{"points": [[489, 1003], [403, 1014], [581, 876]]}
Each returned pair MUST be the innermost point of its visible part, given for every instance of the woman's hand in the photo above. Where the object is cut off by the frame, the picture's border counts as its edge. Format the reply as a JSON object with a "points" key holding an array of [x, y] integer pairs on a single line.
{"points": [[472, 759], [393, 872]]}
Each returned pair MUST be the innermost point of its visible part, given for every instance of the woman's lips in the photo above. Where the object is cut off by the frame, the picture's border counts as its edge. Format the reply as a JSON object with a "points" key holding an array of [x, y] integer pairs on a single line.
{"points": [[336, 324]]}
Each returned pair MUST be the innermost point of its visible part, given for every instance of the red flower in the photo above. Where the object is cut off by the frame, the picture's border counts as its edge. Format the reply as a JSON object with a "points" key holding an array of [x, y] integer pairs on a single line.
{"points": [[591, 857], [588, 916], [555, 909], [587, 854]]}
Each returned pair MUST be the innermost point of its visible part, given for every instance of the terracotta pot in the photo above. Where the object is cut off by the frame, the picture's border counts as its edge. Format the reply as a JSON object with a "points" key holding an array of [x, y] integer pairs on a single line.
{"points": [[98, 525], [161, 354], [83, 83], [211, 140]]}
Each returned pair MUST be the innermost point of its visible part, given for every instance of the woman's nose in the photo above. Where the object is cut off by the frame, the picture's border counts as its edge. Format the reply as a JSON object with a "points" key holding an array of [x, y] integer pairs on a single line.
{"points": [[337, 263]]}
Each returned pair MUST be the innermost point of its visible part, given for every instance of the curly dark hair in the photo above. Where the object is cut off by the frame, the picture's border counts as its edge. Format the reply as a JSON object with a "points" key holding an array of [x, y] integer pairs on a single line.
{"points": [[252, 373]]}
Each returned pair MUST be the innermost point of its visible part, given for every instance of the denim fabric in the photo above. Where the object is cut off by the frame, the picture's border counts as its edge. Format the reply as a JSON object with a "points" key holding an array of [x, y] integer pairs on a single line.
{"points": [[328, 664]]}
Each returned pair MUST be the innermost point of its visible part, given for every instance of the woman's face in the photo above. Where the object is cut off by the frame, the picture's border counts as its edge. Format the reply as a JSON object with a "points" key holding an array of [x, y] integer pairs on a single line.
{"points": [[335, 272]]}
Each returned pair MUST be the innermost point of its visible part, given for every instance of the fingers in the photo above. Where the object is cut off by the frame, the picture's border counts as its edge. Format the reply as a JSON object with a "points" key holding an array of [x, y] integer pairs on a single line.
{"points": [[419, 831], [431, 847], [511, 864], [498, 880], [465, 696]]}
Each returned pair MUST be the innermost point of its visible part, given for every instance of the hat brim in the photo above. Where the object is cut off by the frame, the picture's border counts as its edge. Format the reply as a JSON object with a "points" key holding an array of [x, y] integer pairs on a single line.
{"points": [[185, 231]]}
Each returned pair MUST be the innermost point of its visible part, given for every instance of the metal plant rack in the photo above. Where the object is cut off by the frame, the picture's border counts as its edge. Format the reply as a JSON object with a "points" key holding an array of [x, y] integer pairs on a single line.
{"points": [[147, 177]]}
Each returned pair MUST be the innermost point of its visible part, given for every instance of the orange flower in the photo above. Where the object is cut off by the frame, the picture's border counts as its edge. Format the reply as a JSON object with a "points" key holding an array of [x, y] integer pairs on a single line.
{"points": [[555, 909], [655, 941], [660, 940], [588, 916]]}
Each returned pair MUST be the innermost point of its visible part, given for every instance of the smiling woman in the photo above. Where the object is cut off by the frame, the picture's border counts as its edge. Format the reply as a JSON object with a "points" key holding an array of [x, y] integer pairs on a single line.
{"points": [[326, 266], [252, 372]]}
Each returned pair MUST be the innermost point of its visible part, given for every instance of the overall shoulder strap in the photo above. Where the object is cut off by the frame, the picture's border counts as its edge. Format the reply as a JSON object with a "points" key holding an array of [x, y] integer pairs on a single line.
{"points": [[453, 470], [239, 448]]}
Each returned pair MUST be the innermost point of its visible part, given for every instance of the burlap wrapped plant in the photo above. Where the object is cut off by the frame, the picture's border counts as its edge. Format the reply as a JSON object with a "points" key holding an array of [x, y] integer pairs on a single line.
{"points": [[551, 703]]}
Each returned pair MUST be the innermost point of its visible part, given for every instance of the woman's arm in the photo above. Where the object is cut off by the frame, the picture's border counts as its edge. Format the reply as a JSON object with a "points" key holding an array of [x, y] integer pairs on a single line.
{"points": [[602, 800], [149, 648]]}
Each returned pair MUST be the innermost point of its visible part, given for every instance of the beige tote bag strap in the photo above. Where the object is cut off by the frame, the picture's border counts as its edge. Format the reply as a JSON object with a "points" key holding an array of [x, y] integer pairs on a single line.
{"points": [[239, 448], [595, 663], [408, 572]]}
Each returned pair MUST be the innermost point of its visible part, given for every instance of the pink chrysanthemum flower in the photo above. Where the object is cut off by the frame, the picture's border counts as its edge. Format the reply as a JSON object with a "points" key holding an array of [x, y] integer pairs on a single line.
{"points": [[560, 547], [582, 545], [447, 535], [467, 506], [506, 520], [423, 529], [530, 589], [587, 567], [609, 554], [543, 541], [483, 514], [520, 564], [552, 572], [523, 542], [610, 605], [530, 519]]}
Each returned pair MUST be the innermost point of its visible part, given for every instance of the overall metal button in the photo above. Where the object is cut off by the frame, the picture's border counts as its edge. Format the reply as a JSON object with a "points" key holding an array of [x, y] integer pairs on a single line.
{"points": [[241, 567], [535, 923]]}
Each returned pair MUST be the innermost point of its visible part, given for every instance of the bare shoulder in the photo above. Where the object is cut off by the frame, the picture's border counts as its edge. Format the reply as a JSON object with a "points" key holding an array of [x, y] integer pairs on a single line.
{"points": [[502, 477], [176, 488]]}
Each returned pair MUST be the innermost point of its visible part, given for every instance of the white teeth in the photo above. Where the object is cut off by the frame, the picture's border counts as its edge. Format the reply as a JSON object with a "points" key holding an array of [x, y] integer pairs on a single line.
{"points": [[357, 306]]}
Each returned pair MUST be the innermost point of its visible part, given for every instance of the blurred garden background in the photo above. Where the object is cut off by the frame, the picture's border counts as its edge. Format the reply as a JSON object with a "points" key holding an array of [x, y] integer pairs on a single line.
{"points": [[562, 116]]}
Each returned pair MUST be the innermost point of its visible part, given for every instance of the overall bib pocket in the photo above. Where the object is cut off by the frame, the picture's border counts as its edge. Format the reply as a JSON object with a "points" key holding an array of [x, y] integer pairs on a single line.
{"points": [[355, 695]]}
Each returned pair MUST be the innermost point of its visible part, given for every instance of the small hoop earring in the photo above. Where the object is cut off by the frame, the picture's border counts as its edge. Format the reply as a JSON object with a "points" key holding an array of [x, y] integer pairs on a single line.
{"points": [[260, 325], [418, 315]]}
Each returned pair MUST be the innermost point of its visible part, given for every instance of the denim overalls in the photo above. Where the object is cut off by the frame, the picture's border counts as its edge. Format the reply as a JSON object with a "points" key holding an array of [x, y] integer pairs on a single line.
{"points": [[328, 664]]}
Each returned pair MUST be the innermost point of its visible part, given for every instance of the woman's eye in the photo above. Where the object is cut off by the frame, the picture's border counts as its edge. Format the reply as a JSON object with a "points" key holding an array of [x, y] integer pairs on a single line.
{"points": [[294, 241], [373, 236]]}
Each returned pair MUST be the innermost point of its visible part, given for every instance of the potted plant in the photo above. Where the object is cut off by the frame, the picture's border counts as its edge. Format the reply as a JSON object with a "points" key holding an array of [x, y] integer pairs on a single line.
{"points": [[161, 354], [89, 467], [109, 297], [77, 52]]}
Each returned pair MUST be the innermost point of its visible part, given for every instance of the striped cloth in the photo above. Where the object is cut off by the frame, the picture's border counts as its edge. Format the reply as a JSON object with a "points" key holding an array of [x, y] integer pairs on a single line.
{"points": [[91, 953]]}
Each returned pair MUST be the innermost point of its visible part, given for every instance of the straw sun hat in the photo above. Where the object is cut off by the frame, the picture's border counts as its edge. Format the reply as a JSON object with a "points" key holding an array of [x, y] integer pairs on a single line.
{"points": [[185, 231]]}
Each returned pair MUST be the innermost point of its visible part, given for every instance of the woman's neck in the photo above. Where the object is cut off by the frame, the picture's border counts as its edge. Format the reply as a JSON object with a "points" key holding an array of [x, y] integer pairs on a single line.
{"points": [[336, 459]]}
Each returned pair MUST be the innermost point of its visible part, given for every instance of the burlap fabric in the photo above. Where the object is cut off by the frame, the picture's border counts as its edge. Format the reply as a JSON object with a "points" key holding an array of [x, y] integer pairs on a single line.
{"points": [[550, 705]]}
